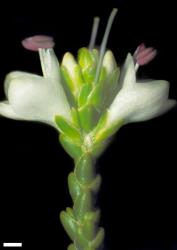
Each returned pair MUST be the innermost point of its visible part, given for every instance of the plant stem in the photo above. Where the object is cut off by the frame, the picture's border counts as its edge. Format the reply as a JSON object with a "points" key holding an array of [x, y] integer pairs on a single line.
{"points": [[81, 221]]}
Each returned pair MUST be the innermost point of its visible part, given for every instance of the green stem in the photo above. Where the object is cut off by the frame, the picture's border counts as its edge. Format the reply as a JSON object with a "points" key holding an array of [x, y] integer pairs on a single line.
{"points": [[81, 221]]}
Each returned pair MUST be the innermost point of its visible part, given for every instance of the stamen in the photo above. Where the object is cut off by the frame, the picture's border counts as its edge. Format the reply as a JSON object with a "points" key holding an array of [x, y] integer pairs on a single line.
{"points": [[104, 42], [143, 55], [95, 26], [38, 41], [139, 49], [42, 53]]}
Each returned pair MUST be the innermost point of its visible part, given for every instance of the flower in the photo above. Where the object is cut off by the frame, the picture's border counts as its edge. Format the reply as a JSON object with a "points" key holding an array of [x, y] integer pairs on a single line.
{"points": [[33, 97], [88, 96], [139, 101], [135, 101]]}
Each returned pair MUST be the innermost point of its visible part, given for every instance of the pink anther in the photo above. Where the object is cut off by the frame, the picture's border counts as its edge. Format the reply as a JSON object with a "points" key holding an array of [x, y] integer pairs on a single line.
{"points": [[144, 55], [34, 43]]}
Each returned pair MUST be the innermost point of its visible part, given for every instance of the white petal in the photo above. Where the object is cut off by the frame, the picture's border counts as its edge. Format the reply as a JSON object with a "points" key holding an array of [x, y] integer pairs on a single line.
{"points": [[169, 104], [10, 77], [128, 74], [36, 98], [141, 102], [160, 108], [7, 111], [49, 64]]}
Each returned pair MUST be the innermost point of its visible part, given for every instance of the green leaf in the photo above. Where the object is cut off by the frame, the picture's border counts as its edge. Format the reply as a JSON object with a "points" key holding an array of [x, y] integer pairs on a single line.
{"points": [[99, 139], [103, 131], [73, 81], [105, 90], [69, 224], [85, 58], [89, 74], [102, 75], [89, 230], [92, 216], [89, 117], [89, 248], [68, 80], [68, 129], [78, 78], [69, 94], [101, 124], [111, 87], [72, 148], [99, 147], [96, 96], [88, 61], [74, 115], [70, 212], [85, 170], [98, 241], [95, 185], [95, 54], [83, 204], [81, 240], [85, 91], [74, 187], [107, 132], [71, 247]]}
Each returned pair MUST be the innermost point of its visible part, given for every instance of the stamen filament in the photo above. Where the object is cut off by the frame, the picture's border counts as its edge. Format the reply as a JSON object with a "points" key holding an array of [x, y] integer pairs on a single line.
{"points": [[41, 56], [94, 32], [136, 67], [104, 42]]}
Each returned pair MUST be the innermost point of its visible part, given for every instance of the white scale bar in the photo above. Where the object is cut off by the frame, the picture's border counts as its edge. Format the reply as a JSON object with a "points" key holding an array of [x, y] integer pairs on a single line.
{"points": [[12, 244]]}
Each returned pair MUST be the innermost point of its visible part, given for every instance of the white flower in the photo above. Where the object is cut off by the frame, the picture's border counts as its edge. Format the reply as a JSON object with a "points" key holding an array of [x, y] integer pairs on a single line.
{"points": [[36, 98], [138, 101]]}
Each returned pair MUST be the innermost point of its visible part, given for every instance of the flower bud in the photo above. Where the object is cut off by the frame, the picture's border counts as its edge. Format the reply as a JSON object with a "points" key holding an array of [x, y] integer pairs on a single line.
{"points": [[109, 62], [72, 74]]}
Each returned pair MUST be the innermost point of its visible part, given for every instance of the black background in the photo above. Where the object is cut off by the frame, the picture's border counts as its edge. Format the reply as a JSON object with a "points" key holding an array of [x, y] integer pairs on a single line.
{"points": [[138, 196]]}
